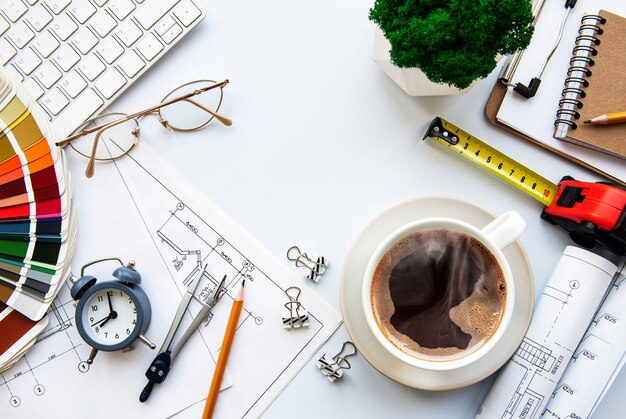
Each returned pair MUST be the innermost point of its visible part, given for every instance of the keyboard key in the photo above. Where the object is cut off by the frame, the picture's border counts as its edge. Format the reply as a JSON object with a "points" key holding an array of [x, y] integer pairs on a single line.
{"points": [[110, 82], [152, 11], [81, 108], [14, 9], [27, 61], [47, 74], [73, 84], [6, 51], [33, 88], [149, 46], [172, 33], [63, 26], [164, 25], [54, 101], [131, 63], [57, 6], [4, 25], [84, 40], [187, 12], [11, 71], [66, 57], [82, 10], [102, 23], [20, 34], [128, 32], [109, 50], [45, 44], [121, 8], [91, 67], [38, 17], [75, 56]]}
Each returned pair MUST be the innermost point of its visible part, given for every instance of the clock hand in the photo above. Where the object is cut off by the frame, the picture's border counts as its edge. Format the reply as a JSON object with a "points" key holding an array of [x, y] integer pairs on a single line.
{"points": [[102, 320], [112, 315], [110, 305]]}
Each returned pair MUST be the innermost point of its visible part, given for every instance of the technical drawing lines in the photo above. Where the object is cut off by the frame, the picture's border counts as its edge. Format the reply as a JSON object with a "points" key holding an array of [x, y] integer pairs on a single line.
{"points": [[524, 400], [606, 317], [561, 296], [535, 354]]}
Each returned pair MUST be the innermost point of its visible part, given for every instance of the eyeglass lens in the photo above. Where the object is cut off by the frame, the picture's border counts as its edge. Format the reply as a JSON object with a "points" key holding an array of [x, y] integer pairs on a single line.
{"points": [[114, 142], [189, 114]]}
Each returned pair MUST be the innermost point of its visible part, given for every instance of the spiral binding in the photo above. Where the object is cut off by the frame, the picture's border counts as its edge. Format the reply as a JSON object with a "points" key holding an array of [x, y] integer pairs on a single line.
{"points": [[588, 36]]}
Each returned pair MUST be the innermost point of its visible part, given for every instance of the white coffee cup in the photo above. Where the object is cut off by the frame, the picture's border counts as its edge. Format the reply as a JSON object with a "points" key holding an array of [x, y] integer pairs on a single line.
{"points": [[496, 236]]}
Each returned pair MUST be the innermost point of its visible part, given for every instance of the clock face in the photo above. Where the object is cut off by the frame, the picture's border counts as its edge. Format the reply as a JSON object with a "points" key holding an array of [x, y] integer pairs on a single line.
{"points": [[109, 316]]}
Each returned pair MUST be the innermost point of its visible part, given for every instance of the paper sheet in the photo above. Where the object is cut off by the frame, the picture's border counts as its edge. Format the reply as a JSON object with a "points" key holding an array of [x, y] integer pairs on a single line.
{"points": [[535, 116], [138, 208], [564, 311], [596, 361]]}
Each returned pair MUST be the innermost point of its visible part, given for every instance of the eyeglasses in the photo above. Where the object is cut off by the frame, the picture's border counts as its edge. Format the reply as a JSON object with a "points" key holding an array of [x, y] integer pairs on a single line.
{"points": [[188, 107]]}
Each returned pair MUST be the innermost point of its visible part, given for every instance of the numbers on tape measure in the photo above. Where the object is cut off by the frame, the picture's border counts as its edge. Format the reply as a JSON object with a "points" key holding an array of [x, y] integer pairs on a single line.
{"points": [[492, 160]]}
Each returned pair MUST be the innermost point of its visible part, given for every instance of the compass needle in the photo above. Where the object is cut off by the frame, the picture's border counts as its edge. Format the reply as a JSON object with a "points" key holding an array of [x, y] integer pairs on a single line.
{"points": [[161, 365]]}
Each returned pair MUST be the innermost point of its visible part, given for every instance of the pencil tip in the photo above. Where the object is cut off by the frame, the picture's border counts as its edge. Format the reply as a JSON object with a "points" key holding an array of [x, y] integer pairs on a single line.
{"points": [[587, 121], [243, 283]]}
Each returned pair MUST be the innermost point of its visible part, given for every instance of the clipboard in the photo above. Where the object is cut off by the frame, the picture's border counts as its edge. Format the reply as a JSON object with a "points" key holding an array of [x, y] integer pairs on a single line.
{"points": [[491, 111]]}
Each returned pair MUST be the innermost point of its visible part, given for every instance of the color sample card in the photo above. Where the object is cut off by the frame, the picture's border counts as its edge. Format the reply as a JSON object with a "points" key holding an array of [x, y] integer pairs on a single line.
{"points": [[37, 224], [18, 335]]}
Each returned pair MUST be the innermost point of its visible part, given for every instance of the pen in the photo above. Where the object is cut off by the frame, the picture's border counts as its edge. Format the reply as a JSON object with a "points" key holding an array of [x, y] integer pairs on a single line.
{"points": [[609, 118], [220, 366]]}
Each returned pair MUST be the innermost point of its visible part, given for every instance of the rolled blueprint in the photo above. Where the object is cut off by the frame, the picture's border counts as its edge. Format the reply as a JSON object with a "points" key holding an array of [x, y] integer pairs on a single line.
{"points": [[565, 309], [596, 361]]}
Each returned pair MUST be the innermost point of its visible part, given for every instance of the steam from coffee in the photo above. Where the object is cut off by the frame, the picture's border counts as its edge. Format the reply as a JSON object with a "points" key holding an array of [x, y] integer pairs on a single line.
{"points": [[438, 294]]}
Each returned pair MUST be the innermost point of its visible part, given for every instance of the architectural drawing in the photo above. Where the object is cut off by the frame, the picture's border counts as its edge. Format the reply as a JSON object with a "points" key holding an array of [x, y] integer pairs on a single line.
{"points": [[596, 361], [565, 309], [169, 229]]}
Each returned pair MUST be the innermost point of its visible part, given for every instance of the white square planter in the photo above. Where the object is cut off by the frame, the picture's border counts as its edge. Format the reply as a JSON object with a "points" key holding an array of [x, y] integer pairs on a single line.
{"points": [[412, 80]]}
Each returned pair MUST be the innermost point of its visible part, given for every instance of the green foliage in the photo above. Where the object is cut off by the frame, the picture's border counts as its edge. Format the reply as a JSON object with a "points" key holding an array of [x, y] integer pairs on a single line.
{"points": [[453, 41]]}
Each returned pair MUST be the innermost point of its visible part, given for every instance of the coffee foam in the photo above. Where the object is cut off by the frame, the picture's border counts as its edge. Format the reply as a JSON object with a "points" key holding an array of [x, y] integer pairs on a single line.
{"points": [[427, 318]]}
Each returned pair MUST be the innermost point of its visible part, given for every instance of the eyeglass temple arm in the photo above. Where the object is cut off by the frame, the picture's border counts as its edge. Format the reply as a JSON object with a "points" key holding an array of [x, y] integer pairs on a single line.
{"points": [[91, 167], [89, 171], [144, 112], [226, 121]]}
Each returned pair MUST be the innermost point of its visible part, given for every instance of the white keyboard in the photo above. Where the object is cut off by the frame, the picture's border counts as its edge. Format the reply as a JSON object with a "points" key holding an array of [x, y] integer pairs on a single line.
{"points": [[77, 56]]}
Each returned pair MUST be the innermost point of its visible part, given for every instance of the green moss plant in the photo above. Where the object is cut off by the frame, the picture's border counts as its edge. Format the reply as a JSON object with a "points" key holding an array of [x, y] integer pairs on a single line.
{"points": [[453, 41]]}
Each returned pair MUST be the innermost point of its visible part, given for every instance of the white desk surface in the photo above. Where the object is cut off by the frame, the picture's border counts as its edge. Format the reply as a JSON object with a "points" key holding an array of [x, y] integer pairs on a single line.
{"points": [[323, 141]]}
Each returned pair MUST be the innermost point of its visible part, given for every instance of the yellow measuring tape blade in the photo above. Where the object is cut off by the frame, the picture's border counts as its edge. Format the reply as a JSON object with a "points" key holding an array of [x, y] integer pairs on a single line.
{"points": [[492, 160]]}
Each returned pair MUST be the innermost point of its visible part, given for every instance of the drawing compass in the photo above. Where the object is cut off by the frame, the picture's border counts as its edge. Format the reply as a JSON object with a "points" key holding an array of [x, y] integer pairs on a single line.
{"points": [[160, 367]]}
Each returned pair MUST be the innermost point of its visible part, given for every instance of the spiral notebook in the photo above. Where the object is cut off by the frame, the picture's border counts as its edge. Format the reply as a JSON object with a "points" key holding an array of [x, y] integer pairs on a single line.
{"points": [[534, 119], [596, 85]]}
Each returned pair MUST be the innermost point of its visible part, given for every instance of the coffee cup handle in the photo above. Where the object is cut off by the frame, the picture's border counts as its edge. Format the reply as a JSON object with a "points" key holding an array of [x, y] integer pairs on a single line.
{"points": [[505, 229]]}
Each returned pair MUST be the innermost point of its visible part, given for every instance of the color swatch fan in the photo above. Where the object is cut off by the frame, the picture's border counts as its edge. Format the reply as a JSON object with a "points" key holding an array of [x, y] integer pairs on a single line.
{"points": [[37, 225]]}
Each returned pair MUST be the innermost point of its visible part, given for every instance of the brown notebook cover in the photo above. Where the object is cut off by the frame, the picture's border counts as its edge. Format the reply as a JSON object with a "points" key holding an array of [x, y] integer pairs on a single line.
{"points": [[491, 111], [606, 89]]}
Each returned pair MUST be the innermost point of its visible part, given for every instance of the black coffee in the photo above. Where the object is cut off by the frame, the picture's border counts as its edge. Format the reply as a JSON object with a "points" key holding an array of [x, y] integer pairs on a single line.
{"points": [[438, 294]]}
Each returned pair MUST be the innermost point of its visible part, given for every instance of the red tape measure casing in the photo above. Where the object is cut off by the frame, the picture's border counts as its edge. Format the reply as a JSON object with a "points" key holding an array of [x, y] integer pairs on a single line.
{"points": [[593, 213]]}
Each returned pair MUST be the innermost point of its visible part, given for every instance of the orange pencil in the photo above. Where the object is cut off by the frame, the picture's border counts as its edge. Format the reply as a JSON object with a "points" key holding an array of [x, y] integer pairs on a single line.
{"points": [[220, 366], [609, 118]]}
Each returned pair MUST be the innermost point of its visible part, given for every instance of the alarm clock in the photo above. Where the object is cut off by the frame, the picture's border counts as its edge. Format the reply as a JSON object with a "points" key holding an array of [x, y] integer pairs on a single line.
{"points": [[112, 314]]}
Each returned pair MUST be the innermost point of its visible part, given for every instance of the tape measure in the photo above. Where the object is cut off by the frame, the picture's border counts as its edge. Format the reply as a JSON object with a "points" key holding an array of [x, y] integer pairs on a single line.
{"points": [[593, 213]]}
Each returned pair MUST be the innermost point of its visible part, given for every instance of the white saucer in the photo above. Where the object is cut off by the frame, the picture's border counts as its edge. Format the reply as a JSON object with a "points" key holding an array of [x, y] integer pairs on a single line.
{"points": [[352, 276]]}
